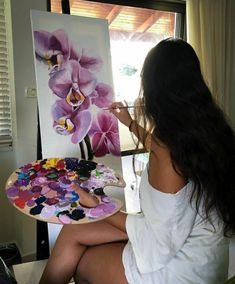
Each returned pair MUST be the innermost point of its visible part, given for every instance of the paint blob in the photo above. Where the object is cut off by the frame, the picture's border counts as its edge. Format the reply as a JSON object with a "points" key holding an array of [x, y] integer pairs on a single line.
{"points": [[44, 190]]}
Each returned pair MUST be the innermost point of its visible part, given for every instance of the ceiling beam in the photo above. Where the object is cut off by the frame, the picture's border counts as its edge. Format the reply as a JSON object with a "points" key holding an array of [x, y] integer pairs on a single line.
{"points": [[71, 3], [149, 22], [113, 13]]}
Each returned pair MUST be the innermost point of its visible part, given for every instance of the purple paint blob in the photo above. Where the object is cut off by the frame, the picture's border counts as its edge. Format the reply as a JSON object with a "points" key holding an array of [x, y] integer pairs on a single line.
{"points": [[30, 203], [51, 201], [101, 210], [48, 192], [12, 191], [45, 189], [25, 195], [21, 182], [39, 181], [64, 182], [55, 186], [96, 212], [105, 199], [48, 212], [108, 208], [36, 189]]}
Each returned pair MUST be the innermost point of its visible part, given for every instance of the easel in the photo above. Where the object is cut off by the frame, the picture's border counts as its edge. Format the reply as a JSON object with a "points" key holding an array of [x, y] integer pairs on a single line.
{"points": [[42, 243]]}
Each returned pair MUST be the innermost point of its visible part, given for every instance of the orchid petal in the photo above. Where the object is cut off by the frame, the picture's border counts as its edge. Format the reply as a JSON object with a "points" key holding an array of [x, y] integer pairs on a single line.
{"points": [[99, 146], [86, 81], [60, 109], [41, 41], [93, 96], [113, 143], [60, 82], [105, 95], [82, 122], [105, 136], [53, 47], [74, 54], [104, 120], [95, 127], [89, 61], [59, 41], [86, 104], [113, 124]]}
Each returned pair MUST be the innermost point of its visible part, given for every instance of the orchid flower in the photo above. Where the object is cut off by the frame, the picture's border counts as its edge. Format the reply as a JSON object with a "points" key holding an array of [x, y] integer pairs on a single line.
{"points": [[102, 96], [104, 133], [52, 48], [68, 122], [72, 82], [86, 58]]}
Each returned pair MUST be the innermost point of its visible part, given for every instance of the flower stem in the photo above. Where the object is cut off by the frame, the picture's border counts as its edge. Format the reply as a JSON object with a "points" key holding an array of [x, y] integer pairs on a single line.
{"points": [[83, 156], [89, 149]]}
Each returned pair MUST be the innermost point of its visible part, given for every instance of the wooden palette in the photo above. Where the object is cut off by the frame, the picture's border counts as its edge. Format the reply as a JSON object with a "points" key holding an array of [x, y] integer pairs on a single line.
{"points": [[44, 190]]}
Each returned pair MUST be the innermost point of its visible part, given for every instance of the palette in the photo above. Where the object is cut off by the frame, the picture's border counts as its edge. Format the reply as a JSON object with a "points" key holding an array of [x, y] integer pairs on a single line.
{"points": [[45, 190]]}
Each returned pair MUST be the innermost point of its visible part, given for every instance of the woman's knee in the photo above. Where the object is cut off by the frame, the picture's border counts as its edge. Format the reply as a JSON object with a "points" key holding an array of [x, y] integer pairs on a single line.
{"points": [[102, 264]]}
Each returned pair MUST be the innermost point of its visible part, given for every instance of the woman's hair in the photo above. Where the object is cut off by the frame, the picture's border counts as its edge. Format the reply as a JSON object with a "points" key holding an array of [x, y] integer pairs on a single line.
{"points": [[178, 109]]}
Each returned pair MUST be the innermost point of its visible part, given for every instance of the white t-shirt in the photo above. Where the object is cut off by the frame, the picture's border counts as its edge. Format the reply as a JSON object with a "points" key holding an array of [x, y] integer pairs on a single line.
{"points": [[170, 243]]}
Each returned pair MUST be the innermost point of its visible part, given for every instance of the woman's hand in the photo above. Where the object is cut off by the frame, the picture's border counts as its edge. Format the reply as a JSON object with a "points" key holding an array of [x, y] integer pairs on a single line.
{"points": [[120, 111], [85, 198]]}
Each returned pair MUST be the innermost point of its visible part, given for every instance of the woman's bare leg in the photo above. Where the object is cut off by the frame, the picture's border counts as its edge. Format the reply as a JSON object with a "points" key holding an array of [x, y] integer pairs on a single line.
{"points": [[102, 265], [71, 244]]}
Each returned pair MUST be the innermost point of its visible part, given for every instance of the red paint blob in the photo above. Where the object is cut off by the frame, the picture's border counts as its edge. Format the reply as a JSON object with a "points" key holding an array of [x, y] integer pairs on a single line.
{"points": [[19, 202]]}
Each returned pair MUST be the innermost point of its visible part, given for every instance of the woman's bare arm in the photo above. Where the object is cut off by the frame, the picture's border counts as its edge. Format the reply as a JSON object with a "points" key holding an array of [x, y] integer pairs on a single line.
{"points": [[121, 112]]}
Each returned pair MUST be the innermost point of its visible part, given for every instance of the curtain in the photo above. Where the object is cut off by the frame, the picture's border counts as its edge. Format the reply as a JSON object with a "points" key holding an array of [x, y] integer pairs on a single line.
{"points": [[210, 28]]}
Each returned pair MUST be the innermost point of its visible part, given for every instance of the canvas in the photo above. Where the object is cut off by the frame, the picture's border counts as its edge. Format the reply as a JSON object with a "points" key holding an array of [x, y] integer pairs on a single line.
{"points": [[75, 87]]}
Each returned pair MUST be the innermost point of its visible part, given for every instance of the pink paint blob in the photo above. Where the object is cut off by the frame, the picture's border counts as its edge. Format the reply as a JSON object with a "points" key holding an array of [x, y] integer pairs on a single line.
{"points": [[64, 219]]}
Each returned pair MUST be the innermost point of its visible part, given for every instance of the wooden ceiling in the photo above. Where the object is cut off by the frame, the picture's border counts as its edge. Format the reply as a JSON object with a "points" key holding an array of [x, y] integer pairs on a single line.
{"points": [[123, 18]]}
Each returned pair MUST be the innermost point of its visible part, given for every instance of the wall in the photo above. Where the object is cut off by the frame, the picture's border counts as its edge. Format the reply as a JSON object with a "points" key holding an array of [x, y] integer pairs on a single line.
{"points": [[7, 220], [16, 226]]}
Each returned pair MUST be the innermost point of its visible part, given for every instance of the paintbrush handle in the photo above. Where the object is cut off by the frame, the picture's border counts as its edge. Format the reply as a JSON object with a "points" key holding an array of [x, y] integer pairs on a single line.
{"points": [[107, 108]]}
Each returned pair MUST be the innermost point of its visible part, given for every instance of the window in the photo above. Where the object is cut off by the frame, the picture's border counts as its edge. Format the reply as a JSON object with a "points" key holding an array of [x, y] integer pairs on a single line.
{"points": [[5, 108], [133, 32]]}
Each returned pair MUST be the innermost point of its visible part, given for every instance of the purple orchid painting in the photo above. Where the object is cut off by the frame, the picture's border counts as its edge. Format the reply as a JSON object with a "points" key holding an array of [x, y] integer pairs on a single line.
{"points": [[79, 96]]}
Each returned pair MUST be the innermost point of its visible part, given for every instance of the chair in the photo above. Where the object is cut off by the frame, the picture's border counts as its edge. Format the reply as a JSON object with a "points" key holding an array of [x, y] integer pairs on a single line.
{"points": [[5, 274]]}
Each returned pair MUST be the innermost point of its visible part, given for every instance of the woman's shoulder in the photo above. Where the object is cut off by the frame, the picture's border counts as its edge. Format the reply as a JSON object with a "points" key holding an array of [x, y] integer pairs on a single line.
{"points": [[162, 174]]}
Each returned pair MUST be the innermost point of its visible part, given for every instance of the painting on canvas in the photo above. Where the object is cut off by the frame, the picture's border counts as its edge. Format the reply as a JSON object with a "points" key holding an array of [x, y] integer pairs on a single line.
{"points": [[74, 86]]}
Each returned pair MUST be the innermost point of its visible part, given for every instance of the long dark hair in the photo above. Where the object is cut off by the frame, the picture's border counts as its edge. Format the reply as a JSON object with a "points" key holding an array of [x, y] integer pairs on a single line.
{"points": [[180, 111]]}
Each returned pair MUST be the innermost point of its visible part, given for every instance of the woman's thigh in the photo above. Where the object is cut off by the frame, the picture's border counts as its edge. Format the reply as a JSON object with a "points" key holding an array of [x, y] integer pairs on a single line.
{"points": [[102, 264], [91, 234]]}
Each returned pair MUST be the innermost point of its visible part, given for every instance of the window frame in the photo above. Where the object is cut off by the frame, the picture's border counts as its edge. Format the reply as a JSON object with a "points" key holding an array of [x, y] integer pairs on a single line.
{"points": [[176, 6]]}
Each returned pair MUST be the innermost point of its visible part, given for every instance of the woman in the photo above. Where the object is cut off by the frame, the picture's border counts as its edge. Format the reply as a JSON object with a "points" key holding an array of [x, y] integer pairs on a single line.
{"points": [[187, 189]]}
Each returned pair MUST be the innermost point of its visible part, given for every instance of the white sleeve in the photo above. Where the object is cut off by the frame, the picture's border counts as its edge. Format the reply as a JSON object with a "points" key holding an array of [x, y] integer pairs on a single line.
{"points": [[154, 246]]}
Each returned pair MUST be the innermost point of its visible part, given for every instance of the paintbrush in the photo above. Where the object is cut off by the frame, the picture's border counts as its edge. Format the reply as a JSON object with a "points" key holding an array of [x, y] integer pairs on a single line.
{"points": [[120, 107]]}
